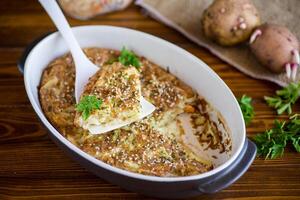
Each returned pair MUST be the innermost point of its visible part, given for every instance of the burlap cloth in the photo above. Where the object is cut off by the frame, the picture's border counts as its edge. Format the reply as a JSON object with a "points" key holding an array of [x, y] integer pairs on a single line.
{"points": [[185, 15]]}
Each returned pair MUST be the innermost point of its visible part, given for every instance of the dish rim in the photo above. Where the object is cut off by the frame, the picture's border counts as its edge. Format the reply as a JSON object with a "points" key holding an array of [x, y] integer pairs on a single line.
{"points": [[102, 164]]}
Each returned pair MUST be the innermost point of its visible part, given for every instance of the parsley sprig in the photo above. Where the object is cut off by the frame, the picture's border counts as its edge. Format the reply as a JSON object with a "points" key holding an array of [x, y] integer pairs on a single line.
{"points": [[247, 108], [271, 143], [284, 98], [127, 58], [88, 104]]}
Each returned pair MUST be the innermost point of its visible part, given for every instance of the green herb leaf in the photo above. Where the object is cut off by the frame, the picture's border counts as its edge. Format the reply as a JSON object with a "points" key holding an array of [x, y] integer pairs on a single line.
{"points": [[284, 98], [247, 108], [296, 143], [88, 104], [271, 143], [129, 58]]}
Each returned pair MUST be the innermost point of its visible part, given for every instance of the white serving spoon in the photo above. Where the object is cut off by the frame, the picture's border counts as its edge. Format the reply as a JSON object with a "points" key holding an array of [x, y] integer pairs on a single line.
{"points": [[84, 67]]}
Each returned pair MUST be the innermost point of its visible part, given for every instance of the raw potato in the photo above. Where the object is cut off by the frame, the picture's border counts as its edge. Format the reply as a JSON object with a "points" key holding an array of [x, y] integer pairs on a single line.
{"points": [[276, 48], [85, 9], [229, 22]]}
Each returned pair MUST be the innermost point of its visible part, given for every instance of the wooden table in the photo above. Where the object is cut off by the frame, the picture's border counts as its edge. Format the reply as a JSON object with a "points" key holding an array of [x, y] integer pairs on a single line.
{"points": [[33, 167]]}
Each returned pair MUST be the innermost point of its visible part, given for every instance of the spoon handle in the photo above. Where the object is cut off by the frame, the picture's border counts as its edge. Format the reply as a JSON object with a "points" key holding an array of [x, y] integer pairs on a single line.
{"points": [[64, 28], [84, 67]]}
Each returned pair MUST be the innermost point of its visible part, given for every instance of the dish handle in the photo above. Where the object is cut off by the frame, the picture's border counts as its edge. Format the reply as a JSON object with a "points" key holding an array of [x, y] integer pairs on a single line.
{"points": [[233, 172], [28, 48]]}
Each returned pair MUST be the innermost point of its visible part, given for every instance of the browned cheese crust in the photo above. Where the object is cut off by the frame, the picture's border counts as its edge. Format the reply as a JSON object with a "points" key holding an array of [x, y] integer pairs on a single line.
{"points": [[140, 147]]}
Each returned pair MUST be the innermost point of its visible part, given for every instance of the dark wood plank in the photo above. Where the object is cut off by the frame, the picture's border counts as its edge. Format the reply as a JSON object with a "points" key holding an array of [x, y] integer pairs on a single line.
{"points": [[32, 167]]}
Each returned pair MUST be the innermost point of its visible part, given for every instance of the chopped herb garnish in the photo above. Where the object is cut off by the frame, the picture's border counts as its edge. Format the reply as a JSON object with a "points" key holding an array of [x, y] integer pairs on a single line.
{"points": [[88, 104], [271, 143], [127, 58], [247, 108], [284, 98]]}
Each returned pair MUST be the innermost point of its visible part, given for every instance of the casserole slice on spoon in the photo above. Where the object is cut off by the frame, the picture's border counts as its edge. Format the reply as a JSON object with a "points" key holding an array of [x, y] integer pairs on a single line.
{"points": [[110, 99], [84, 70]]}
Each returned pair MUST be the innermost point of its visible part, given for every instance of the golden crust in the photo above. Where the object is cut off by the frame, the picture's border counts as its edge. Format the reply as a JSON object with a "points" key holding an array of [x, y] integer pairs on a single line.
{"points": [[141, 147], [119, 89]]}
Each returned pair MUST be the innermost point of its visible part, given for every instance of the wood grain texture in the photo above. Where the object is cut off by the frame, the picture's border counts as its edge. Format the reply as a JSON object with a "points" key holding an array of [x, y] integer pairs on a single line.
{"points": [[32, 167]]}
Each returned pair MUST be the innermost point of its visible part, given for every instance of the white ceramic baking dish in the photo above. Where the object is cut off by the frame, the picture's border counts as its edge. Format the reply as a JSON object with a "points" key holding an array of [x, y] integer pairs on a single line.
{"points": [[181, 63]]}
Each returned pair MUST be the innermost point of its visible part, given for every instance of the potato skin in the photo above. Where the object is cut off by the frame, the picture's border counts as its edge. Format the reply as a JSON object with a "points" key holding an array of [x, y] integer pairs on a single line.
{"points": [[273, 48], [229, 22]]}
